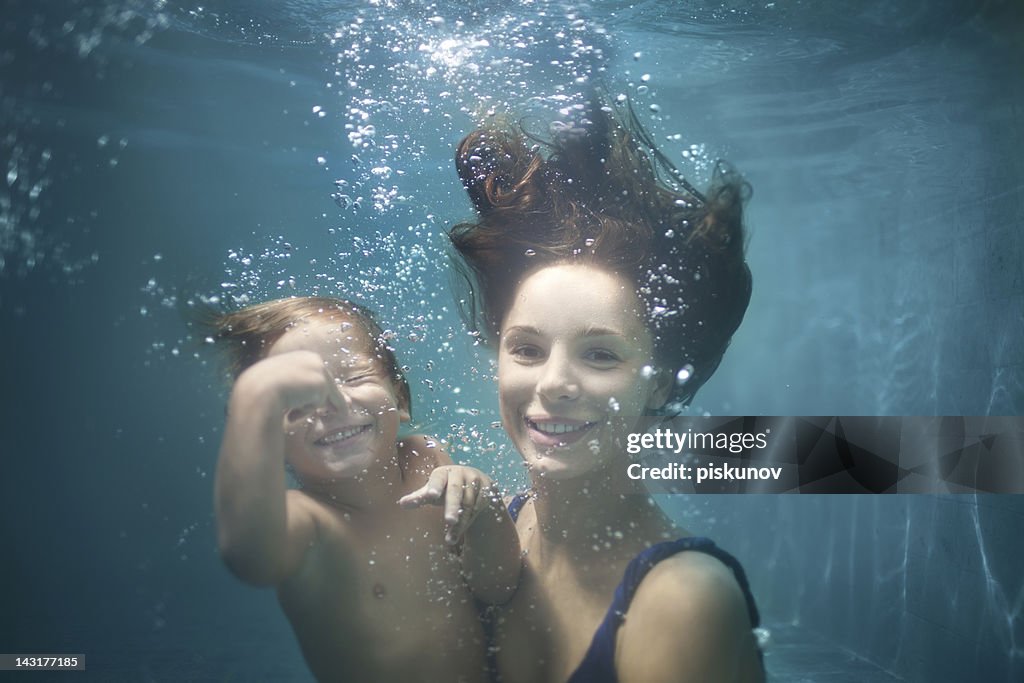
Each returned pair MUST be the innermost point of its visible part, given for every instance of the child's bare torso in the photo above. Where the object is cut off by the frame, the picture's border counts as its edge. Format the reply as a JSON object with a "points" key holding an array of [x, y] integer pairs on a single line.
{"points": [[380, 598]]}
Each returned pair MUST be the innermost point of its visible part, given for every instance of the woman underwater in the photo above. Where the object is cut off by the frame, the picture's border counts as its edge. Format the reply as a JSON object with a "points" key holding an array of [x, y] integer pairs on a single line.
{"points": [[608, 297]]}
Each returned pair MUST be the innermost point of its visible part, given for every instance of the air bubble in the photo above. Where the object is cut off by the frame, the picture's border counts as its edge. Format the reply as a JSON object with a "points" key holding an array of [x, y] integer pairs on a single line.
{"points": [[684, 374]]}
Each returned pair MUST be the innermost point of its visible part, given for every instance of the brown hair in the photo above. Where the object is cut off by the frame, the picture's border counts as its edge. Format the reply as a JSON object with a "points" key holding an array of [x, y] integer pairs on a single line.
{"points": [[245, 335], [598, 193]]}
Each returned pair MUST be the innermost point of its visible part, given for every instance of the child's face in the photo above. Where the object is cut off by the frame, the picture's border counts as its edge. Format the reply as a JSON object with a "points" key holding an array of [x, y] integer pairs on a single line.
{"points": [[360, 434]]}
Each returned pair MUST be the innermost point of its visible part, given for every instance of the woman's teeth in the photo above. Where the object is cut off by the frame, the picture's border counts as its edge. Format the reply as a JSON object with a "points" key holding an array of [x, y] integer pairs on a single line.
{"points": [[558, 427]]}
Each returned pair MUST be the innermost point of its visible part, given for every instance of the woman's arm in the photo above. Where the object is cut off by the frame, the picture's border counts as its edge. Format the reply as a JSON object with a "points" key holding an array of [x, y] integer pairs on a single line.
{"points": [[475, 514], [688, 623]]}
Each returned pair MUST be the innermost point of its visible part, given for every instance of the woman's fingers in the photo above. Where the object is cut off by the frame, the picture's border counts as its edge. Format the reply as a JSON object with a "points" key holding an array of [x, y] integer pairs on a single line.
{"points": [[474, 499], [453, 497], [430, 493], [462, 491]]}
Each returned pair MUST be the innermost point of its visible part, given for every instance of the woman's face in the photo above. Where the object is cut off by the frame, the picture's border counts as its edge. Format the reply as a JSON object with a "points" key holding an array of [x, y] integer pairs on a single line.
{"points": [[574, 369]]}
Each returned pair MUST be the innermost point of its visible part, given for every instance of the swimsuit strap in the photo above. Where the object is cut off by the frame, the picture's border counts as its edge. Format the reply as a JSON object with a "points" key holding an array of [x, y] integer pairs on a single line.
{"points": [[598, 665], [517, 503], [488, 615]]}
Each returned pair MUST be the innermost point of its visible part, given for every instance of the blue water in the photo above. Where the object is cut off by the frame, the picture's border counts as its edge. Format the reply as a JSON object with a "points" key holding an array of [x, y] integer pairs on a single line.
{"points": [[153, 152]]}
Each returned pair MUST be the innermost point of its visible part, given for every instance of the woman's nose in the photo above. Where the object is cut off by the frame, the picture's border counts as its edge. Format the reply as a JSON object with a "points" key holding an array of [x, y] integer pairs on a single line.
{"points": [[558, 381]]}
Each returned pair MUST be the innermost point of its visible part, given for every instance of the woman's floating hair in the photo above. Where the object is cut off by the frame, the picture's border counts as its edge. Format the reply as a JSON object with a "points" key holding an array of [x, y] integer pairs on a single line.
{"points": [[600, 191]]}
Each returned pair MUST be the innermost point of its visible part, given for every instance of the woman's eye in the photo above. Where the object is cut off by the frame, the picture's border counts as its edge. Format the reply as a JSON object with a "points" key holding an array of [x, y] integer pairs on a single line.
{"points": [[527, 352], [358, 379], [602, 356]]}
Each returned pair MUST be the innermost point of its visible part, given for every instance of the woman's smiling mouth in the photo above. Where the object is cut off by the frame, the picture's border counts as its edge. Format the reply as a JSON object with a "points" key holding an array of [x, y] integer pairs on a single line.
{"points": [[551, 432]]}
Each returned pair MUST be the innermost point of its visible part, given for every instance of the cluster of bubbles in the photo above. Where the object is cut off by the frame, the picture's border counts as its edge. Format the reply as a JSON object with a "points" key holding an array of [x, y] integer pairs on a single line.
{"points": [[265, 273], [26, 179], [24, 244], [29, 161], [411, 76]]}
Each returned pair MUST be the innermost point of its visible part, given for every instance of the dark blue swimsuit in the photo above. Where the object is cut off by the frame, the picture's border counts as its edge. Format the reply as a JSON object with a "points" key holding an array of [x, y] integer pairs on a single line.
{"points": [[598, 665]]}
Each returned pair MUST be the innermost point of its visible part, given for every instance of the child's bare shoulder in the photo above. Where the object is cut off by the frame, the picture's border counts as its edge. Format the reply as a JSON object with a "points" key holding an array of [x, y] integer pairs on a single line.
{"points": [[331, 525], [421, 453], [330, 554]]}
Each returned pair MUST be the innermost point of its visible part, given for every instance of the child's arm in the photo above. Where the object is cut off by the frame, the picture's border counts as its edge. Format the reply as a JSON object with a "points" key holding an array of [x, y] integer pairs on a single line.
{"points": [[475, 513], [263, 529]]}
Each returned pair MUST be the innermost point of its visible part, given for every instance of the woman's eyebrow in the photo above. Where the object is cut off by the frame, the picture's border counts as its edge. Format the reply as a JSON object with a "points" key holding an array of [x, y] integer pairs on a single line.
{"points": [[595, 331], [588, 331], [521, 329]]}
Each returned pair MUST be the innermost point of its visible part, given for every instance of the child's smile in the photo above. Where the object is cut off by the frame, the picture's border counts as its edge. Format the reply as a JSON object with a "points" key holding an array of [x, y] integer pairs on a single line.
{"points": [[348, 437]]}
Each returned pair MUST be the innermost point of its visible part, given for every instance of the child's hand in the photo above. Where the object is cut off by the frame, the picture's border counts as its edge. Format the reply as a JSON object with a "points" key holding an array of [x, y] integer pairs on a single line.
{"points": [[463, 491], [297, 380]]}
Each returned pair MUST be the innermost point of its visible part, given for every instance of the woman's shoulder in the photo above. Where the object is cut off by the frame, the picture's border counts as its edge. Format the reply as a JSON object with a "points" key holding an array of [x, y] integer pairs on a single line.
{"points": [[688, 617], [696, 577]]}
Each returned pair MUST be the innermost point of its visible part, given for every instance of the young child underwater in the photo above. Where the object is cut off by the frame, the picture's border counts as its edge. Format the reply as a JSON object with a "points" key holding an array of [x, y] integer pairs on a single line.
{"points": [[374, 590]]}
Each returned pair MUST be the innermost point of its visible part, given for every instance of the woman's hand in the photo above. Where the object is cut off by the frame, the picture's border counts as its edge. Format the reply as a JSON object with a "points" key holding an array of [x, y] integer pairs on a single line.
{"points": [[463, 491], [491, 561]]}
